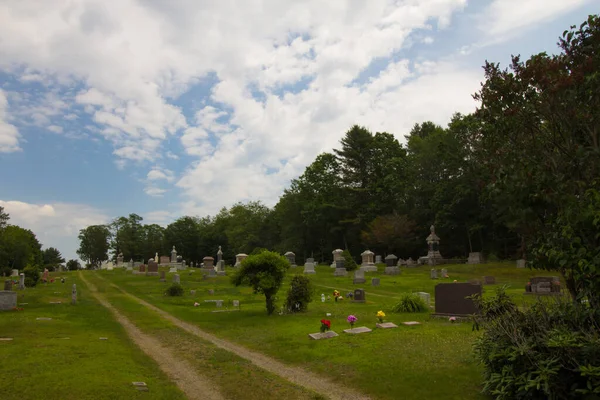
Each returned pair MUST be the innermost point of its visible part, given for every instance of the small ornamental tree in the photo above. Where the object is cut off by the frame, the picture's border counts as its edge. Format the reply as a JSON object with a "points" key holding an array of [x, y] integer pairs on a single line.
{"points": [[349, 262], [264, 272]]}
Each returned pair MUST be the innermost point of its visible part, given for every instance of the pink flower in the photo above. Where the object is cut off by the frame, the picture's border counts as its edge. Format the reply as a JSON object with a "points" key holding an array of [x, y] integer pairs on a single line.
{"points": [[452, 319], [196, 304]]}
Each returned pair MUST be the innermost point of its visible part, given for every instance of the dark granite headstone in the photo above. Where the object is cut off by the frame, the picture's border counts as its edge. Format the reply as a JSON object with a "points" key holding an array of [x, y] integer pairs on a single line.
{"points": [[359, 296], [152, 268], [489, 280], [142, 268], [450, 298]]}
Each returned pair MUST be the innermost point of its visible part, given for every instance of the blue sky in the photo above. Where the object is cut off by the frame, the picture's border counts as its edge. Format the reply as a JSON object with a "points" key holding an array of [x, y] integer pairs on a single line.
{"points": [[112, 108]]}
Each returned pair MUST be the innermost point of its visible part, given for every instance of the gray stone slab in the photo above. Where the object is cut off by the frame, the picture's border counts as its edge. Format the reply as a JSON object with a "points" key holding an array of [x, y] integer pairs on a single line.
{"points": [[410, 323], [355, 331], [5, 339], [324, 335], [387, 325], [43, 319]]}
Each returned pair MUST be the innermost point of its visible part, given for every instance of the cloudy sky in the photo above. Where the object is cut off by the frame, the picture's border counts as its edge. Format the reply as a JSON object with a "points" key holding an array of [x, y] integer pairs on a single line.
{"points": [[170, 108]]}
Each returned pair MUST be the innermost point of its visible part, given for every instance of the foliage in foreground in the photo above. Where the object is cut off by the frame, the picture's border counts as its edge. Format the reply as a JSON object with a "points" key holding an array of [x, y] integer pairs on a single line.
{"points": [[550, 350], [32, 275], [299, 295], [264, 272], [174, 290], [410, 303]]}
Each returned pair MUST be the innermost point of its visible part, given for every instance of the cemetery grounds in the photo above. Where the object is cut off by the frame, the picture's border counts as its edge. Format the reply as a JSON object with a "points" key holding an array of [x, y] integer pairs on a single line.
{"points": [[84, 350]]}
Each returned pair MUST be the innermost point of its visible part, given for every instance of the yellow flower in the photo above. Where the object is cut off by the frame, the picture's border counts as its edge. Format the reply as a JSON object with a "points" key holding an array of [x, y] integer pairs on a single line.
{"points": [[380, 314]]}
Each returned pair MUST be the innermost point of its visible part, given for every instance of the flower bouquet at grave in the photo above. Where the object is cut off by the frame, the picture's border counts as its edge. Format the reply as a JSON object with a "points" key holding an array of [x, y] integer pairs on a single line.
{"points": [[325, 325], [452, 319], [351, 320], [380, 316], [336, 294]]}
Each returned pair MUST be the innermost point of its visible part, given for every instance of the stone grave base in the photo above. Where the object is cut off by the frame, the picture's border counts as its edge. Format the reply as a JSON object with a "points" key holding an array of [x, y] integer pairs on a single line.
{"points": [[8, 299], [357, 281], [221, 273], [459, 317], [340, 272], [309, 271], [368, 268], [358, 301], [173, 270], [386, 325], [151, 273], [323, 335], [411, 323], [392, 270], [356, 331]]}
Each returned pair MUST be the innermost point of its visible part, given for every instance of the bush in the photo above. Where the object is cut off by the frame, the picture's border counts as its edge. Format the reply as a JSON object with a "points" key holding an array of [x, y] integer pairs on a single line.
{"points": [[33, 273], [174, 290], [410, 303], [349, 262], [300, 294], [549, 350]]}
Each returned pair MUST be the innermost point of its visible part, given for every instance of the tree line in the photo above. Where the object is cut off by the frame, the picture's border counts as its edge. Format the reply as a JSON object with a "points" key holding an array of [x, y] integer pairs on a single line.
{"points": [[20, 248], [517, 178]]}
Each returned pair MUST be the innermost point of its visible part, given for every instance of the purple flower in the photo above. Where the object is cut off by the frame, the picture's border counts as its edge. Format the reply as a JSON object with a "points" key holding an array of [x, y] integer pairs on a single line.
{"points": [[352, 319]]}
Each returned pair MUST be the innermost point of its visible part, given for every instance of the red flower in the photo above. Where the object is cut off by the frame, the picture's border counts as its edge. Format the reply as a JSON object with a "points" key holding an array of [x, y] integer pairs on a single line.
{"points": [[326, 322]]}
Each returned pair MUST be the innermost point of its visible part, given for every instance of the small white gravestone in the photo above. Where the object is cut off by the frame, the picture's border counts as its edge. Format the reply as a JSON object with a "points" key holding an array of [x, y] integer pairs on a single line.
{"points": [[322, 297], [521, 263], [410, 323], [21, 281], [236, 303], [176, 278]]}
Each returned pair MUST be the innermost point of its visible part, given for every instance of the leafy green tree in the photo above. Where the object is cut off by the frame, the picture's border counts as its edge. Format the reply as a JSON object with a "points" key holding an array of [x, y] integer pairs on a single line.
{"points": [[299, 294], [539, 144], [184, 234], [73, 265], [152, 240], [94, 243], [264, 272], [52, 258], [392, 233], [127, 235], [19, 247], [4, 217]]}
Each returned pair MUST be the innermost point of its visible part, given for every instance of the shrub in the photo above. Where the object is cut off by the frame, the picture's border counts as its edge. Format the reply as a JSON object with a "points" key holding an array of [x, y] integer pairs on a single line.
{"points": [[410, 303], [174, 290], [33, 273], [300, 294], [549, 350], [349, 262]]}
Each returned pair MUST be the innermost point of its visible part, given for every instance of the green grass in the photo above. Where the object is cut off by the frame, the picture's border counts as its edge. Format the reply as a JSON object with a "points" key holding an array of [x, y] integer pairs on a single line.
{"points": [[236, 377], [433, 360], [40, 364]]}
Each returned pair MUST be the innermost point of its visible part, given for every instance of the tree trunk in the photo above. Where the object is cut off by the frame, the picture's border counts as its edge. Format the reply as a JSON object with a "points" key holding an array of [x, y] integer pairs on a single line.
{"points": [[270, 299]]}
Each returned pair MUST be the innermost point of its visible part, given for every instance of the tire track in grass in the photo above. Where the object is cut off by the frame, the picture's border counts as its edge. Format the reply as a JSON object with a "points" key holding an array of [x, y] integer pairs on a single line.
{"points": [[193, 385], [296, 375]]}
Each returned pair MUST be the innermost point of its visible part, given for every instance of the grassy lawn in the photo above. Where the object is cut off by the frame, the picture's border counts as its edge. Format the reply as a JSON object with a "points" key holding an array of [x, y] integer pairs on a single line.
{"points": [[432, 360], [236, 377], [39, 363]]}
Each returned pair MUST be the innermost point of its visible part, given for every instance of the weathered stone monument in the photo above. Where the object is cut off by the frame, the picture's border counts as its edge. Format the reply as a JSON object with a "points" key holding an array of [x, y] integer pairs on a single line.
{"points": [[239, 258], [8, 285], [120, 260], [359, 277], [162, 276], [489, 280], [378, 259], [340, 268], [143, 268], [390, 265], [156, 257], [173, 255], [521, 263], [152, 268], [165, 260], [15, 272], [410, 263], [444, 273], [337, 255], [129, 266], [434, 274], [208, 264], [433, 252], [543, 285], [176, 278], [426, 297], [220, 262], [291, 257], [8, 300], [21, 281], [375, 282], [309, 266], [367, 264], [475, 258], [74, 294]]}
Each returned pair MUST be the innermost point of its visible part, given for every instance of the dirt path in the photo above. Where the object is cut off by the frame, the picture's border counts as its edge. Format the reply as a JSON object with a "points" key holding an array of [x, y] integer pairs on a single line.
{"points": [[295, 375], [179, 371]]}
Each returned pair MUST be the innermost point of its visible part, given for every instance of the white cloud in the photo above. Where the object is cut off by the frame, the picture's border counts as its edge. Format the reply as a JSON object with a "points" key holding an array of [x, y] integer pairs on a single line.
{"points": [[55, 225], [9, 135], [161, 217], [55, 129], [154, 191], [172, 156], [504, 19], [157, 173]]}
